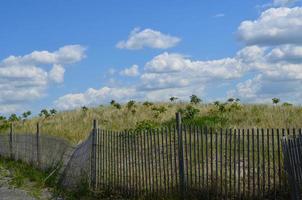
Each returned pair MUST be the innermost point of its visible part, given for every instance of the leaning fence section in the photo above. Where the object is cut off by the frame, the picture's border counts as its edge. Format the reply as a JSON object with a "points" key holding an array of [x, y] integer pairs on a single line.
{"points": [[77, 171], [49, 153]]}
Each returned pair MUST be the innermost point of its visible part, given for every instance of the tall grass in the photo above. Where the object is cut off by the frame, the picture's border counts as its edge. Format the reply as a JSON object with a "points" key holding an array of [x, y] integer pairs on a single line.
{"points": [[76, 125]]}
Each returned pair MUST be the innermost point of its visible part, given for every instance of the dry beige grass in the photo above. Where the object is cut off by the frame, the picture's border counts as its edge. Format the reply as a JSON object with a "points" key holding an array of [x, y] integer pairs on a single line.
{"points": [[76, 125]]}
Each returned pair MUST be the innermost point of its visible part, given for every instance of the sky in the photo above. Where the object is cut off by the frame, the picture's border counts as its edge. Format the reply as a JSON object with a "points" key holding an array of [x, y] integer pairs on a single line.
{"points": [[68, 54]]}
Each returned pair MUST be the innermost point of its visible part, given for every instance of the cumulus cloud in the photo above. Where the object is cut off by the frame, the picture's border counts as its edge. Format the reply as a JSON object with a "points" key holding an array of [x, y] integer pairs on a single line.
{"points": [[276, 74], [262, 89], [64, 55], [275, 26], [175, 70], [94, 97], [25, 78], [139, 39], [131, 71]]}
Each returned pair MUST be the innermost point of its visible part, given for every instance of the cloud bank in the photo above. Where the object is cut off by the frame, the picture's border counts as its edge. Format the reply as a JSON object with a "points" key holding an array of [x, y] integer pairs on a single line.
{"points": [[26, 78]]}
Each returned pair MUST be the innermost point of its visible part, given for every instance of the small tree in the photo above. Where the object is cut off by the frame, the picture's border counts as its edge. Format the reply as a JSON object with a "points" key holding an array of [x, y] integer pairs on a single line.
{"points": [[130, 104], [13, 117], [112, 102], [44, 113], [194, 99], [275, 101], [84, 109], [53, 112], [117, 105], [231, 100], [25, 115], [172, 99], [216, 103]]}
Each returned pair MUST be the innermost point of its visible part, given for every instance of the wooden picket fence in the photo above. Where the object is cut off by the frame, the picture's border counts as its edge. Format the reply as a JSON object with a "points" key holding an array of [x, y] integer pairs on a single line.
{"points": [[190, 161]]}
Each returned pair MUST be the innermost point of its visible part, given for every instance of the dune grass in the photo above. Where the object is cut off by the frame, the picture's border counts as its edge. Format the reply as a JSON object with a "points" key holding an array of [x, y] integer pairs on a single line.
{"points": [[76, 125]]}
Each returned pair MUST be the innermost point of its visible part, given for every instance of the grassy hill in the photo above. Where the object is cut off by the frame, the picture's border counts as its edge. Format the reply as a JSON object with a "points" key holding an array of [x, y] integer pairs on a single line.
{"points": [[75, 125]]}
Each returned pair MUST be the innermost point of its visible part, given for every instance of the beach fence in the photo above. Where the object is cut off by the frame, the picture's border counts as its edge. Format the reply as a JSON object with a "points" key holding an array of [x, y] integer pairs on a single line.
{"points": [[182, 160], [292, 151]]}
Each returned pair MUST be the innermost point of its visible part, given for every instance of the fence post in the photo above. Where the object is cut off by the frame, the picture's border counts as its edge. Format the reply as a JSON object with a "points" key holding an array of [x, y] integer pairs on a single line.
{"points": [[38, 145], [11, 141], [180, 156], [94, 156]]}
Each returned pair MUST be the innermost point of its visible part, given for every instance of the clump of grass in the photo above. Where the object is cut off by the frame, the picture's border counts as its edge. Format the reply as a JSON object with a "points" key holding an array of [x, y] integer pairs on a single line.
{"points": [[33, 181], [26, 177]]}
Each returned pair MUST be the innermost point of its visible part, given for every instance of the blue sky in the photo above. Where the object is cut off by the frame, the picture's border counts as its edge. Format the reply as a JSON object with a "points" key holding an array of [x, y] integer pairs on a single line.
{"points": [[67, 54]]}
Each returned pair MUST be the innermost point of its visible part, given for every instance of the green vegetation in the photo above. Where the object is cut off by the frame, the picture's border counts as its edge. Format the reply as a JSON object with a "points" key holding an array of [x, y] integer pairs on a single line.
{"points": [[75, 125], [23, 176], [38, 183], [194, 99]]}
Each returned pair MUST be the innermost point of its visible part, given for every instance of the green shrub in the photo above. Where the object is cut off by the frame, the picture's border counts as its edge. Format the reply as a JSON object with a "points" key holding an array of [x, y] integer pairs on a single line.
{"points": [[190, 112], [158, 110], [147, 103], [130, 104], [145, 125]]}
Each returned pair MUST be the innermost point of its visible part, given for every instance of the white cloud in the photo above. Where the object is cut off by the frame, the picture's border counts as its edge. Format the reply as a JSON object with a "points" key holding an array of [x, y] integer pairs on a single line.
{"points": [[25, 78], [174, 63], [131, 71], [64, 55], [9, 108], [286, 53], [261, 89], [275, 26], [21, 83], [148, 38], [57, 73], [283, 2], [94, 97]]}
